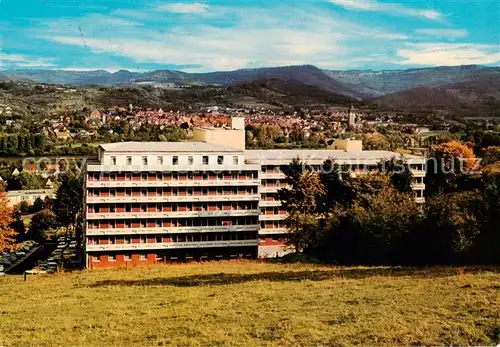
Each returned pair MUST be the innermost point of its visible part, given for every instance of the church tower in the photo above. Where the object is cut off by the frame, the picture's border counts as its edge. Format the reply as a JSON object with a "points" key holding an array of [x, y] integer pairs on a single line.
{"points": [[351, 117]]}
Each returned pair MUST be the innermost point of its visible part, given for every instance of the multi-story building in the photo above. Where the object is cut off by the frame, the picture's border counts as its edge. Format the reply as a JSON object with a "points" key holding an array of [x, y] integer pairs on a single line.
{"points": [[158, 201], [348, 153]]}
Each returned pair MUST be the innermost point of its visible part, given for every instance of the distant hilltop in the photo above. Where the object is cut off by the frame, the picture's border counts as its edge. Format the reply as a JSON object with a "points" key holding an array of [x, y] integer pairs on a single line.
{"points": [[357, 84]]}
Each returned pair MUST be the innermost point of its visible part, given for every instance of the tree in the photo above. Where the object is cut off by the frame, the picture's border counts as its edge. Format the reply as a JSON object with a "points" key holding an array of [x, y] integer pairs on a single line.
{"points": [[300, 201], [452, 227], [491, 155], [7, 234], [400, 173], [450, 168], [41, 222], [18, 225], [25, 181], [68, 204], [38, 205]]}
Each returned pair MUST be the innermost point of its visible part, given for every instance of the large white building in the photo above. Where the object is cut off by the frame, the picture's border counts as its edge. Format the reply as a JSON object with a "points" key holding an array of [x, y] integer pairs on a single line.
{"points": [[156, 202]]}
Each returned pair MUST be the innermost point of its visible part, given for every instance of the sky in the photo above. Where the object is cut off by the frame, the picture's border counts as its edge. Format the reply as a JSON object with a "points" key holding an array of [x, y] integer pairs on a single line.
{"points": [[216, 35]]}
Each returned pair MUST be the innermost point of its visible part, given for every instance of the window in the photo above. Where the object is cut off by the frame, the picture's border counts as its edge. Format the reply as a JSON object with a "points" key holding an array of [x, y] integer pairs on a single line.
{"points": [[144, 224], [220, 159], [144, 192], [142, 256], [112, 177], [175, 176], [144, 160], [128, 225], [190, 176], [159, 177], [159, 160], [159, 208], [204, 191], [158, 239], [126, 257], [111, 257], [128, 160], [190, 191], [112, 208], [112, 192], [143, 239], [128, 208], [235, 160], [204, 160], [113, 160], [128, 177], [112, 240], [128, 192], [144, 177], [190, 160], [159, 223], [143, 208], [175, 160], [159, 192]]}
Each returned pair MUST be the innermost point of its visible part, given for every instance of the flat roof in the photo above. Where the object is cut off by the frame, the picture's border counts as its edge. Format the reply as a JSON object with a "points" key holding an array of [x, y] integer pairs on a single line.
{"points": [[154, 147], [322, 154]]}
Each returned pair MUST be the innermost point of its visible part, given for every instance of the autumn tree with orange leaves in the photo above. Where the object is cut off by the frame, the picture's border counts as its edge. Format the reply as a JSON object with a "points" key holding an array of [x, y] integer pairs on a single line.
{"points": [[449, 166], [7, 234]]}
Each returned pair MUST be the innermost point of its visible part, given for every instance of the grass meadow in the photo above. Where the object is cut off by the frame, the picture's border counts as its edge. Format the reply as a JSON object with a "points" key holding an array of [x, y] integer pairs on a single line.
{"points": [[253, 304]]}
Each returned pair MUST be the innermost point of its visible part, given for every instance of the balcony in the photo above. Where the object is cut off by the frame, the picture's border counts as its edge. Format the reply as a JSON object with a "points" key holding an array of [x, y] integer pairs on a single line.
{"points": [[418, 186], [172, 230], [160, 184], [273, 231], [195, 167], [264, 217], [171, 198], [418, 173], [273, 203], [272, 175], [177, 214], [268, 189], [170, 245]]}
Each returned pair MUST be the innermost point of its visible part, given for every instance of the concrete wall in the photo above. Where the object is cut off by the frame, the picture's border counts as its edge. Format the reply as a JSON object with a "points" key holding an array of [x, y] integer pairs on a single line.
{"points": [[233, 138], [15, 197], [347, 145]]}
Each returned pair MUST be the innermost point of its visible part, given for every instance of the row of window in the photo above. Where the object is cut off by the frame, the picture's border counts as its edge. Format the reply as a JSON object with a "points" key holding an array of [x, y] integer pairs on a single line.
{"points": [[272, 225], [173, 207], [272, 210], [172, 223], [144, 192], [205, 160], [197, 237], [172, 176]]}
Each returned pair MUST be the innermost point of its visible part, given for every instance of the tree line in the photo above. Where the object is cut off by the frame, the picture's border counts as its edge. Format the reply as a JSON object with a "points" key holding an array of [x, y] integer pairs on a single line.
{"points": [[374, 218]]}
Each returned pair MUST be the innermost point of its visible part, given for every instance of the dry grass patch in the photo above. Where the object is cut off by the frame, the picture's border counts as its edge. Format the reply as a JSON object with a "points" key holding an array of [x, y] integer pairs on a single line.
{"points": [[251, 303]]}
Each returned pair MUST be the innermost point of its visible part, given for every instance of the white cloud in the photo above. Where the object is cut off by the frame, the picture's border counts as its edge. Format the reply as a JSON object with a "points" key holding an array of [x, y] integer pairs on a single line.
{"points": [[184, 8], [436, 54], [21, 61], [255, 37], [444, 32], [389, 8]]}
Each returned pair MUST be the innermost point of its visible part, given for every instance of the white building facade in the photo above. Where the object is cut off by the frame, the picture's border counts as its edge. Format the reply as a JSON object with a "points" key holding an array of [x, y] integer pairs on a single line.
{"points": [[148, 203]]}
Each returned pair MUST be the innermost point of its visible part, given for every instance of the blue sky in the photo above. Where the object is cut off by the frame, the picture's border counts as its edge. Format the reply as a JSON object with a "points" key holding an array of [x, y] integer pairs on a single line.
{"points": [[214, 35]]}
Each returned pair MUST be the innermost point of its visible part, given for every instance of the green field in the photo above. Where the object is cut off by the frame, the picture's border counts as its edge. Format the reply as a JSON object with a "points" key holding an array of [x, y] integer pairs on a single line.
{"points": [[250, 303]]}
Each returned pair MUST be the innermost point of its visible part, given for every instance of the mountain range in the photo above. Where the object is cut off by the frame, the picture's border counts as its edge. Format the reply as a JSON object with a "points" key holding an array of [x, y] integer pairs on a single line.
{"points": [[425, 88]]}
